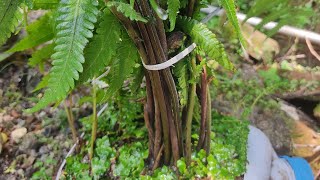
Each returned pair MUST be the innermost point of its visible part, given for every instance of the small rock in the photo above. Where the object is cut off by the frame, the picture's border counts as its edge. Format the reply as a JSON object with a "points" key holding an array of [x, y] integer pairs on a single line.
{"points": [[43, 157], [28, 142], [21, 123], [17, 134], [7, 118], [43, 149], [20, 172], [42, 114], [33, 153], [15, 114]]}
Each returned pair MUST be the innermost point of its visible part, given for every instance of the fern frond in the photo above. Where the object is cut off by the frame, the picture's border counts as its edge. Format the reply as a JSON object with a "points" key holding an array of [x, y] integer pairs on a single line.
{"points": [[173, 10], [39, 56], [272, 17], [281, 11], [262, 6], [102, 48], [39, 32], [204, 38], [10, 15], [43, 83], [127, 10], [230, 9], [184, 3], [45, 4], [75, 23], [122, 66], [181, 72], [137, 79]]}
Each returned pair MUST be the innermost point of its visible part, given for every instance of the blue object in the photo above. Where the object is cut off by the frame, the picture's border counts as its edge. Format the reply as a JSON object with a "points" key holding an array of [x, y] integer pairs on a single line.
{"points": [[301, 168]]}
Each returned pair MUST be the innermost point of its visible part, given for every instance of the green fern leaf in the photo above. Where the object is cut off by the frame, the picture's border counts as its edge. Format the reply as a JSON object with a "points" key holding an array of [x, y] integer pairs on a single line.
{"points": [[43, 83], [173, 10], [45, 4], [137, 78], [127, 10], [204, 38], [121, 67], [39, 32], [75, 23], [184, 3], [262, 6], [39, 56], [102, 48], [181, 72], [274, 30], [272, 17], [281, 11], [10, 15], [230, 9]]}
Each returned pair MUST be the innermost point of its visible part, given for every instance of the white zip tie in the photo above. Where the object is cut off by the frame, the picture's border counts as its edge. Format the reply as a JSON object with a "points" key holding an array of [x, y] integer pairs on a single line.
{"points": [[172, 61]]}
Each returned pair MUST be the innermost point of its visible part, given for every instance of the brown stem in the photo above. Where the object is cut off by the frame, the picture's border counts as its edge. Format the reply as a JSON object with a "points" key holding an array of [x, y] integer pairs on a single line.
{"points": [[208, 124], [202, 133], [162, 36], [161, 57], [132, 33], [158, 92], [150, 130], [157, 159], [191, 8], [150, 101], [158, 130], [173, 134]]}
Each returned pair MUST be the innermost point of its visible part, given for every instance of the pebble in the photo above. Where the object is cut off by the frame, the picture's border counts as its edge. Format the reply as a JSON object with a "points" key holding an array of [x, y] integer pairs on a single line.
{"points": [[17, 134], [7, 118], [15, 114], [21, 123], [43, 149], [28, 142]]}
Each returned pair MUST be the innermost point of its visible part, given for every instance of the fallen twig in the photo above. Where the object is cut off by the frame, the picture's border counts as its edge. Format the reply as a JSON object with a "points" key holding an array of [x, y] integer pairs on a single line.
{"points": [[315, 147], [313, 52], [68, 154], [298, 56]]}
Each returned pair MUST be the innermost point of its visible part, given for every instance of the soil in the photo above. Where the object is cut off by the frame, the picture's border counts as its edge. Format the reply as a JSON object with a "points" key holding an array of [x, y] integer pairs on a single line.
{"points": [[41, 141]]}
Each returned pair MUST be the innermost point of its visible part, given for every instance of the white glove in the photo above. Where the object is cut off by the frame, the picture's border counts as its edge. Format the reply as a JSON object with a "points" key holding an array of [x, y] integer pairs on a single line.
{"points": [[263, 162]]}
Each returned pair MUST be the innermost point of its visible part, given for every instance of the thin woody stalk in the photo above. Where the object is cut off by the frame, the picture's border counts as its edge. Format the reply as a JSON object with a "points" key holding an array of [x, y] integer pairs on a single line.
{"points": [[192, 94], [68, 109], [202, 134], [94, 121], [208, 124]]}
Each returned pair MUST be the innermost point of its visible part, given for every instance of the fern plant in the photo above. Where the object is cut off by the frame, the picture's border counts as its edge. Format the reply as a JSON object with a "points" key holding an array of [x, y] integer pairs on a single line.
{"points": [[83, 37], [10, 15], [280, 11]]}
